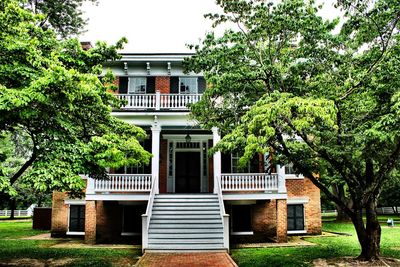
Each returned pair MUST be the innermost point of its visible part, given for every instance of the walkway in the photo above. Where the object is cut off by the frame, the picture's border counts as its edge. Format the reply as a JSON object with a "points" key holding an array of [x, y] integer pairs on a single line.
{"points": [[199, 259]]}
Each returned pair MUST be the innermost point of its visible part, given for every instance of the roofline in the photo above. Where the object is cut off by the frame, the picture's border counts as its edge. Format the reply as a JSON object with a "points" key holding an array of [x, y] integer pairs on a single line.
{"points": [[154, 57]]}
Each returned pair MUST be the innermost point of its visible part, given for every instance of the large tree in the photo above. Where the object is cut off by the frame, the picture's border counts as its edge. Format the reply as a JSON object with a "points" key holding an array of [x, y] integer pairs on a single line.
{"points": [[322, 94], [51, 93]]}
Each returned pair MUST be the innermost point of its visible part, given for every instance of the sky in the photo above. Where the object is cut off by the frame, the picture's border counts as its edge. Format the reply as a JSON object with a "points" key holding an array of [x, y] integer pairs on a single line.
{"points": [[155, 26]]}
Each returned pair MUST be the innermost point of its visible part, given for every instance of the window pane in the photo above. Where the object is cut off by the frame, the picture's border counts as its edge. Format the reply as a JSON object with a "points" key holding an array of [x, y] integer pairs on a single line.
{"points": [[188, 85], [77, 218], [241, 218], [137, 85], [295, 217]]}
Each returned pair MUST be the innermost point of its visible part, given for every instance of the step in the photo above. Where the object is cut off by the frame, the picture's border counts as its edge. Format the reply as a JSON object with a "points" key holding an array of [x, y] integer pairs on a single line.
{"points": [[186, 200], [174, 241], [174, 196], [186, 226], [188, 236], [186, 212], [185, 230], [185, 221], [185, 247], [185, 216], [185, 204], [188, 208]]}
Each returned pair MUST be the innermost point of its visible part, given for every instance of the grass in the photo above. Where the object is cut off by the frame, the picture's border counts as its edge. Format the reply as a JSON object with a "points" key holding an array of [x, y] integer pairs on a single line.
{"points": [[328, 247], [13, 248]]}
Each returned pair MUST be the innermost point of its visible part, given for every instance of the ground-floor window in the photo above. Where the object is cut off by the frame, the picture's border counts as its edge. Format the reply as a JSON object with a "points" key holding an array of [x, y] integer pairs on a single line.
{"points": [[295, 217], [132, 219], [241, 219], [77, 218]]}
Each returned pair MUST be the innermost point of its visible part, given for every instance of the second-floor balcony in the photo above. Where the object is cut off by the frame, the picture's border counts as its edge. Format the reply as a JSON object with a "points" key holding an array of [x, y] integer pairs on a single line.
{"points": [[158, 101]]}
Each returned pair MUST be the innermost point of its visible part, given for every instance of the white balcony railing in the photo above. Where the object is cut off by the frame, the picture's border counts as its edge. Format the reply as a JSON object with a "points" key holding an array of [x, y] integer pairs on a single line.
{"points": [[249, 182], [123, 183], [158, 101]]}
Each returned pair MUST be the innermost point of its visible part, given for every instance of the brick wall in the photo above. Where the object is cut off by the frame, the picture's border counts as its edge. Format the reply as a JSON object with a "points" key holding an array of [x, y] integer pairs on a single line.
{"points": [[59, 216], [281, 217], [163, 84], [306, 189], [90, 222]]}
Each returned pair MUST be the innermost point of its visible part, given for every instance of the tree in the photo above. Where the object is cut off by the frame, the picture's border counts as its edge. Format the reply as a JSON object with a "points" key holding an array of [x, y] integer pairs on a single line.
{"points": [[283, 81], [51, 93], [63, 16]]}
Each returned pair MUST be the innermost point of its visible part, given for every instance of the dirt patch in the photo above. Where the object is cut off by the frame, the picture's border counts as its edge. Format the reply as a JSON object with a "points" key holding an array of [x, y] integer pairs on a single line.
{"points": [[128, 262], [25, 262], [349, 261], [46, 236]]}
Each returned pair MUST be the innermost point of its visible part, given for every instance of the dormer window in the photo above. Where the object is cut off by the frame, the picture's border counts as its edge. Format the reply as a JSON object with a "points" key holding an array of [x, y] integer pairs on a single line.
{"points": [[188, 85], [137, 85]]}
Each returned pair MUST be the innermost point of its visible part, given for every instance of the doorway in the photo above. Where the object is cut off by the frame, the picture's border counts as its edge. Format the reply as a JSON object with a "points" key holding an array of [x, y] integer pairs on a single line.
{"points": [[187, 172]]}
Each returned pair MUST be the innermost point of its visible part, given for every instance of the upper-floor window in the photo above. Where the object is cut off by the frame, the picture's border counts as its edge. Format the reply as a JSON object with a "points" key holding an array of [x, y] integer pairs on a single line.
{"points": [[290, 172], [137, 85], [188, 85]]}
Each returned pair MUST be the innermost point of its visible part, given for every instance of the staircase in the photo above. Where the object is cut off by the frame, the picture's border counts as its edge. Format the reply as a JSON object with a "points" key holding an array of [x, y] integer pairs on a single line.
{"points": [[186, 222]]}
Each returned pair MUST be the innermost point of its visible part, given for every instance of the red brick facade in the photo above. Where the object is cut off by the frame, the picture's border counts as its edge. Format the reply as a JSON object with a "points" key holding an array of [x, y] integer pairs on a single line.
{"points": [[59, 220], [163, 84]]}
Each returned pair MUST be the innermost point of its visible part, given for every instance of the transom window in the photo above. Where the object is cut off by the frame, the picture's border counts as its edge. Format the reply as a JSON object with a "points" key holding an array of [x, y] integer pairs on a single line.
{"points": [[188, 85], [295, 217], [137, 85]]}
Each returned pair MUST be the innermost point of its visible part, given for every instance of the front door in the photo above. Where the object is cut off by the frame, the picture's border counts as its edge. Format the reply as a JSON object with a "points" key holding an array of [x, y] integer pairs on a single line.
{"points": [[187, 172]]}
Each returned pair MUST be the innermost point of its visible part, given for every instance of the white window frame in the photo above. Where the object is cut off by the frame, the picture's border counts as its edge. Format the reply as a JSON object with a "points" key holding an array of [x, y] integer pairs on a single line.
{"points": [[73, 202], [196, 91], [298, 202], [292, 176], [133, 90]]}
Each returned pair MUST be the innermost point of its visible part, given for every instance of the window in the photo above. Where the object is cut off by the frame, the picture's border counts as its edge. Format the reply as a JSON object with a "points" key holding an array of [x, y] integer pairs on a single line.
{"points": [[76, 218], [137, 85], [290, 172], [132, 218], [241, 219], [252, 165], [295, 217], [188, 85]]}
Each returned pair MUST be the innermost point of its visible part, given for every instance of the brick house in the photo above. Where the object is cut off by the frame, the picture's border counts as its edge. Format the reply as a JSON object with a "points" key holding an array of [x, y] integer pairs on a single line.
{"points": [[184, 199]]}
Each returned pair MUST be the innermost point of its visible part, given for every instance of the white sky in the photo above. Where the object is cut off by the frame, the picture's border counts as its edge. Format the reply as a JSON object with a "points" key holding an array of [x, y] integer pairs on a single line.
{"points": [[155, 26]]}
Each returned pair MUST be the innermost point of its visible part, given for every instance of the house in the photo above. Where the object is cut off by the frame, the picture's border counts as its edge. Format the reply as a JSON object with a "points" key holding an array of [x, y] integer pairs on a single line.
{"points": [[184, 199]]}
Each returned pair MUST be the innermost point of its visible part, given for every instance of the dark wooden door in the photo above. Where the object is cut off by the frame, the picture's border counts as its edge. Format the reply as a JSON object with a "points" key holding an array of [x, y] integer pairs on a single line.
{"points": [[187, 172]]}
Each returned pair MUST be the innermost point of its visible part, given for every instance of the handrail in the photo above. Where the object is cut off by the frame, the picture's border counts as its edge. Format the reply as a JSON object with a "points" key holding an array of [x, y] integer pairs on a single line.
{"points": [[224, 216], [147, 216]]}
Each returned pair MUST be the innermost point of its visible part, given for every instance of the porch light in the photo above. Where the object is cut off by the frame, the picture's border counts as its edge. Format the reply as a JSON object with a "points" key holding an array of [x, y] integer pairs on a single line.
{"points": [[188, 138]]}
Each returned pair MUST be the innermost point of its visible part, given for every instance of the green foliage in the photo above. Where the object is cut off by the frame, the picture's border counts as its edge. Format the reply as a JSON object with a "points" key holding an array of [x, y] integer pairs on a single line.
{"points": [[51, 93], [321, 94]]}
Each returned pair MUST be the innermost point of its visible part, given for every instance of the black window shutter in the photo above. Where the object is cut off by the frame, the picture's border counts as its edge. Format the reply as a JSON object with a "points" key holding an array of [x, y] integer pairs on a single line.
{"points": [[151, 85], [201, 83], [174, 85], [123, 85]]}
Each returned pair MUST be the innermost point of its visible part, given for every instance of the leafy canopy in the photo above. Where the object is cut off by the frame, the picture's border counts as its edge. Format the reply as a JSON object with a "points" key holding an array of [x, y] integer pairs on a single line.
{"points": [[50, 92]]}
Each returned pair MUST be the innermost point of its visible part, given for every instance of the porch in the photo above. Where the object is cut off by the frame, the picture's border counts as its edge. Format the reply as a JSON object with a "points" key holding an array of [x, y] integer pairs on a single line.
{"points": [[159, 101]]}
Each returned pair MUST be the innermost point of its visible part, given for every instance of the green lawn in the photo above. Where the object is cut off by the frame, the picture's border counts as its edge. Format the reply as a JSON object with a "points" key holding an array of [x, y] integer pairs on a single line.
{"points": [[328, 247], [13, 248]]}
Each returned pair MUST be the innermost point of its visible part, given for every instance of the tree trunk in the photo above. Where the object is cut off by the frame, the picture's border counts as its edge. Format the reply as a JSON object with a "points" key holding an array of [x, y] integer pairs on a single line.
{"points": [[12, 207], [341, 215], [339, 191], [369, 235]]}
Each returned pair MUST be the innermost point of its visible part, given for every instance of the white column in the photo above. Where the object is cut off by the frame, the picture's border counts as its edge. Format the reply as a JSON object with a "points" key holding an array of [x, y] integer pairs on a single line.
{"points": [[216, 158], [89, 185], [155, 150], [281, 178]]}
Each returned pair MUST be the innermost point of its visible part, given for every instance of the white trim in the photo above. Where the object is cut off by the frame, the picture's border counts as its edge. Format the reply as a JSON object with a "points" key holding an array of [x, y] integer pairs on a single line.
{"points": [[74, 202], [130, 234], [75, 233], [181, 137], [294, 177], [120, 197], [242, 233], [250, 196], [297, 232], [298, 200]]}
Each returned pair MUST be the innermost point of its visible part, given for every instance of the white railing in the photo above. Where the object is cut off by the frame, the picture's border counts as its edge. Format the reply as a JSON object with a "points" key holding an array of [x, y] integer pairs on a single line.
{"points": [[139, 101], [159, 101], [178, 101], [17, 213], [124, 183], [147, 216], [224, 216], [249, 182]]}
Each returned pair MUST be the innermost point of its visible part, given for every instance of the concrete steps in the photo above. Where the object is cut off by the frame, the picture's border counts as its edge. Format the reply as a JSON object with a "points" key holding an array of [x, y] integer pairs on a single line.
{"points": [[185, 222]]}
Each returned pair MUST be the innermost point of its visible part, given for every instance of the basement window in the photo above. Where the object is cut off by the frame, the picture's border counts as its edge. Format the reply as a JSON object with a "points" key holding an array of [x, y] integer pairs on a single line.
{"points": [[76, 220], [241, 220], [295, 217]]}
